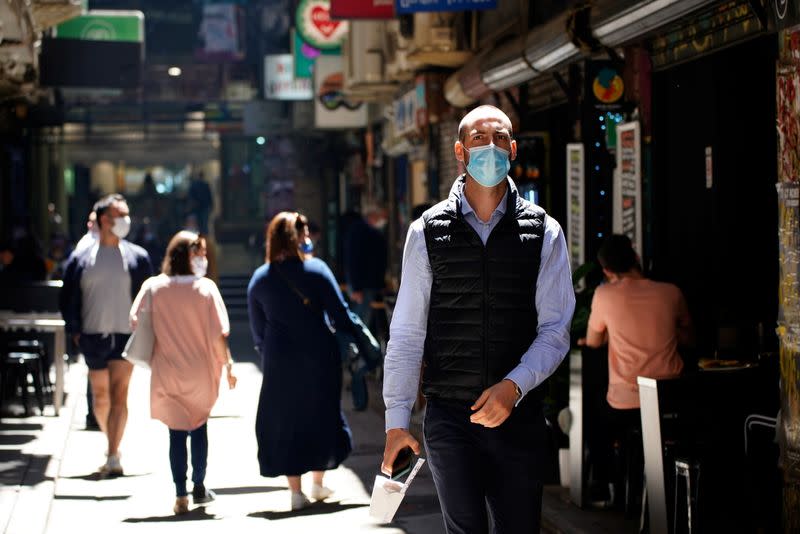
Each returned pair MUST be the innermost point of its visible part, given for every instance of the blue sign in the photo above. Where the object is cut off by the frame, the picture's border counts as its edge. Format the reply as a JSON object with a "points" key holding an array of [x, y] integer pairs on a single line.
{"points": [[415, 6]]}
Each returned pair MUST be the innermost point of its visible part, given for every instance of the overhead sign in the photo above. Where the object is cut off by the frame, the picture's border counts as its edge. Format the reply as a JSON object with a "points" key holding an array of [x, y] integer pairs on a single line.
{"points": [[362, 9], [313, 21], [305, 54], [404, 7], [221, 34], [332, 109], [279, 80], [100, 25], [576, 200], [628, 184]]}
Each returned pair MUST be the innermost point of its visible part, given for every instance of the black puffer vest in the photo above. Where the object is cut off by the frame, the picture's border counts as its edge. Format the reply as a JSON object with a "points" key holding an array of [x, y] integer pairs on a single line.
{"points": [[482, 316]]}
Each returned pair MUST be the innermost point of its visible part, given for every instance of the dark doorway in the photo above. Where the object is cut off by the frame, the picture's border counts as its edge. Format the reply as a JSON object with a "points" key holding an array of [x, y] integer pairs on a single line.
{"points": [[719, 243]]}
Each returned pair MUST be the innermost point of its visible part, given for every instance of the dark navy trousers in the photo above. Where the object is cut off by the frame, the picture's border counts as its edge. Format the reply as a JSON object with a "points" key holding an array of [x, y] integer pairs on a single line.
{"points": [[475, 468], [178, 457]]}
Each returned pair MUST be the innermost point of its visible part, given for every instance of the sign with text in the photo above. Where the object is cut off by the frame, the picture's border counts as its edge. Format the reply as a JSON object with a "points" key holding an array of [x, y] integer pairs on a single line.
{"points": [[362, 9], [313, 21], [628, 184], [576, 204], [279, 80], [414, 6]]}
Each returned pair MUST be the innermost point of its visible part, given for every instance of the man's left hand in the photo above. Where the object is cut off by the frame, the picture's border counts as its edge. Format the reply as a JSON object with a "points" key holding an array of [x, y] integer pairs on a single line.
{"points": [[495, 404]]}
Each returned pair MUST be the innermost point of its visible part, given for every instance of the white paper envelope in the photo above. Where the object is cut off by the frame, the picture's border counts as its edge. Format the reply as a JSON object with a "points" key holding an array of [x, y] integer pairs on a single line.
{"points": [[387, 494]]}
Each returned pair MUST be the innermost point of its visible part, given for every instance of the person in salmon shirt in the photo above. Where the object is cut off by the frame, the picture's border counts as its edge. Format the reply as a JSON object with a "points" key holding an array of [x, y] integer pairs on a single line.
{"points": [[644, 322], [190, 326]]}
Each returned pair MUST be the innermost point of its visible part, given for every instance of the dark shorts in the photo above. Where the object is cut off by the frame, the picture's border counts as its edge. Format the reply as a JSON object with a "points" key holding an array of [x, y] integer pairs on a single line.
{"points": [[99, 349]]}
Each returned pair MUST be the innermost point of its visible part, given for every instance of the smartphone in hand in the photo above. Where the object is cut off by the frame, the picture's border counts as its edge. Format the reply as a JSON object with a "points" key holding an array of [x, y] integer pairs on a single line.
{"points": [[403, 463]]}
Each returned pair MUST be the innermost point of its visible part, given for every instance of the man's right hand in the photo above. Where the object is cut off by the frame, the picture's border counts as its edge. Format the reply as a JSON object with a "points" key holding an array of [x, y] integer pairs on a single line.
{"points": [[357, 297], [76, 338], [396, 440]]}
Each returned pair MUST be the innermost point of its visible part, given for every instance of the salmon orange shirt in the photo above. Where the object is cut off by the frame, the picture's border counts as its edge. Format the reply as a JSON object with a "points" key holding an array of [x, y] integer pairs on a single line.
{"points": [[642, 318]]}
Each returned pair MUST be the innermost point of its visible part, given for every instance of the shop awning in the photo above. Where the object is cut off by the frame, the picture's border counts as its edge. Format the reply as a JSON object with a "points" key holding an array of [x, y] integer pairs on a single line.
{"points": [[613, 23]]}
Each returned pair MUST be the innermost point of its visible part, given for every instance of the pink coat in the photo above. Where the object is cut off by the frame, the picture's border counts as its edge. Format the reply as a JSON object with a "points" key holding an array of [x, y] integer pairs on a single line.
{"points": [[189, 319]]}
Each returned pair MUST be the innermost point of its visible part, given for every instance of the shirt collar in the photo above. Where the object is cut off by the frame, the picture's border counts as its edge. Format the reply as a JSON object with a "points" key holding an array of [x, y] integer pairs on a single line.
{"points": [[467, 209]]}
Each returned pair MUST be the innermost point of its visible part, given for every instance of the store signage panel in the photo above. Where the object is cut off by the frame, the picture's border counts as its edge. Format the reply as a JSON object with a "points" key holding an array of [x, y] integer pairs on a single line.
{"points": [[628, 184], [305, 55], [405, 113], [576, 205], [100, 25], [314, 22], [279, 80], [362, 9], [414, 6], [332, 109]]}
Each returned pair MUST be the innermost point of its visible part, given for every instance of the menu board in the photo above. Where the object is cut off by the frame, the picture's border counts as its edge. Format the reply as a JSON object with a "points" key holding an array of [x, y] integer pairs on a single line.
{"points": [[628, 184], [576, 200]]}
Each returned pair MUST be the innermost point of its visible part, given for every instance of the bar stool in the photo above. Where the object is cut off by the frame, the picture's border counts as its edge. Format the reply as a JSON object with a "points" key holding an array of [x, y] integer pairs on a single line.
{"points": [[17, 367], [687, 471], [37, 347]]}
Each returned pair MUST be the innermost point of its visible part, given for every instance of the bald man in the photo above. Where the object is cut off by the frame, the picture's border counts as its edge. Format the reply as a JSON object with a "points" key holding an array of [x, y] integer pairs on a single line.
{"points": [[484, 309]]}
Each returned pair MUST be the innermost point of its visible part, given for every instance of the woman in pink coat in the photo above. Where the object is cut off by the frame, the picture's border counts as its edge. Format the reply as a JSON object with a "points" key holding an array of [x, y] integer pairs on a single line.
{"points": [[190, 324]]}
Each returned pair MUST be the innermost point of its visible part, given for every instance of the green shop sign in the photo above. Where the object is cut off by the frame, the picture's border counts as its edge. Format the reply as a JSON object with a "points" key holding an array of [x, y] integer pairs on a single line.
{"points": [[126, 26]]}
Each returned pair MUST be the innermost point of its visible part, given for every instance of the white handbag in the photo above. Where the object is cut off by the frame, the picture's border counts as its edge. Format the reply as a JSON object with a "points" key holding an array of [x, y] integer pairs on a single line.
{"points": [[139, 348]]}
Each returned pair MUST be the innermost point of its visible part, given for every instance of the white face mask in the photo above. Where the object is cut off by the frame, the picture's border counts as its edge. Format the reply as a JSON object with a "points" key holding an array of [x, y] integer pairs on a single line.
{"points": [[199, 265], [122, 225]]}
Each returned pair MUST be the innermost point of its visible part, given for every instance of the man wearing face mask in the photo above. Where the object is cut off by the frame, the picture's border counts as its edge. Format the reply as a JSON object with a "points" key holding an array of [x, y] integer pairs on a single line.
{"points": [[100, 283], [485, 302]]}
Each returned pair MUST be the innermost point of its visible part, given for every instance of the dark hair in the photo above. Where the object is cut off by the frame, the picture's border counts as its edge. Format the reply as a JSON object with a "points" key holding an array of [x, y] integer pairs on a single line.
{"points": [[102, 205], [283, 235], [617, 254], [176, 260]]}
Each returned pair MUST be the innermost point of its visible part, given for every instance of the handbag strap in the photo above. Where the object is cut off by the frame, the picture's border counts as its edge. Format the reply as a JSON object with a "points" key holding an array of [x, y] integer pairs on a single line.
{"points": [[304, 299]]}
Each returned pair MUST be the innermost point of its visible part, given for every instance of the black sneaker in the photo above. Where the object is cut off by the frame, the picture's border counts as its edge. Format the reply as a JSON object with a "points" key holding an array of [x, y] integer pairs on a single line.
{"points": [[201, 495]]}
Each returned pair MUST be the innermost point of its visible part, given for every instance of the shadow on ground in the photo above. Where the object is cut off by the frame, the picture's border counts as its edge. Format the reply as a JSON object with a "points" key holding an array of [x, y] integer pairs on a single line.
{"points": [[317, 508], [244, 490], [198, 514]]}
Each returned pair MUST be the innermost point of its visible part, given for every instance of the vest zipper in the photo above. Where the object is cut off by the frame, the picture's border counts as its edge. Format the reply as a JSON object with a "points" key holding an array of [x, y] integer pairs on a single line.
{"points": [[485, 255]]}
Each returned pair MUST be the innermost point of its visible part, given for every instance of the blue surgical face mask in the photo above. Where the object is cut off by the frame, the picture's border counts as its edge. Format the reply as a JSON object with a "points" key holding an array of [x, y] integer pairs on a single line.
{"points": [[307, 246], [488, 165]]}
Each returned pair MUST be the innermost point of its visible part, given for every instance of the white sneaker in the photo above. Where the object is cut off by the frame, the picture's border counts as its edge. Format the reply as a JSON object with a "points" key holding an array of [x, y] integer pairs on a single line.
{"points": [[320, 493], [299, 501], [112, 467]]}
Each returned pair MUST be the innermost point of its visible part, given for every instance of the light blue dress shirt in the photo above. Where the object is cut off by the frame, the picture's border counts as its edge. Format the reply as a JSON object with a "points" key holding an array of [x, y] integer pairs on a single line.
{"points": [[555, 303]]}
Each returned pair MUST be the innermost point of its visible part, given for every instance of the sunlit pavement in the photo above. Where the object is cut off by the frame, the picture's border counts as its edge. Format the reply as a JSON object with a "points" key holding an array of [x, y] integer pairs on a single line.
{"points": [[79, 502]]}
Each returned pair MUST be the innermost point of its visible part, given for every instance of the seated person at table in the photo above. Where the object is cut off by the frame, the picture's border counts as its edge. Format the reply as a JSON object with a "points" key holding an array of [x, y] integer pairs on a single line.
{"points": [[643, 322]]}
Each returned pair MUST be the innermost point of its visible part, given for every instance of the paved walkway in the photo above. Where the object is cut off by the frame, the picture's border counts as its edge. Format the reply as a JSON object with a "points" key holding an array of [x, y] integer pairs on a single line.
{"points": [[48, 467]]}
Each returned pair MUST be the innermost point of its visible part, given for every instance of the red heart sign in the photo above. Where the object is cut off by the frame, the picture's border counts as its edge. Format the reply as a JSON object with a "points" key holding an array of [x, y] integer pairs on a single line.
{"points": [[321, 18]]}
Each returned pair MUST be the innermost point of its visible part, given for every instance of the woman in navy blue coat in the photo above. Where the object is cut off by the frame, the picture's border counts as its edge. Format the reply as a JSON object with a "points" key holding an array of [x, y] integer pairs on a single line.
{"points": [[300, 426]]}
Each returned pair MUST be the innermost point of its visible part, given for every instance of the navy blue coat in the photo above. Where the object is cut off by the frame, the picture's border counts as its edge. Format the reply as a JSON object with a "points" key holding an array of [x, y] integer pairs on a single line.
{"points": [[300, 426]]}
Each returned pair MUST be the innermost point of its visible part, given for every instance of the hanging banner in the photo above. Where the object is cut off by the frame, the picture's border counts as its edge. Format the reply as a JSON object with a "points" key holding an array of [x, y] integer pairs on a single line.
{"points": [[332, 109], [576, 205], [221, 34], [313, 21], [362, 9], [628, 184], [279, 80], [405, 7]]}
